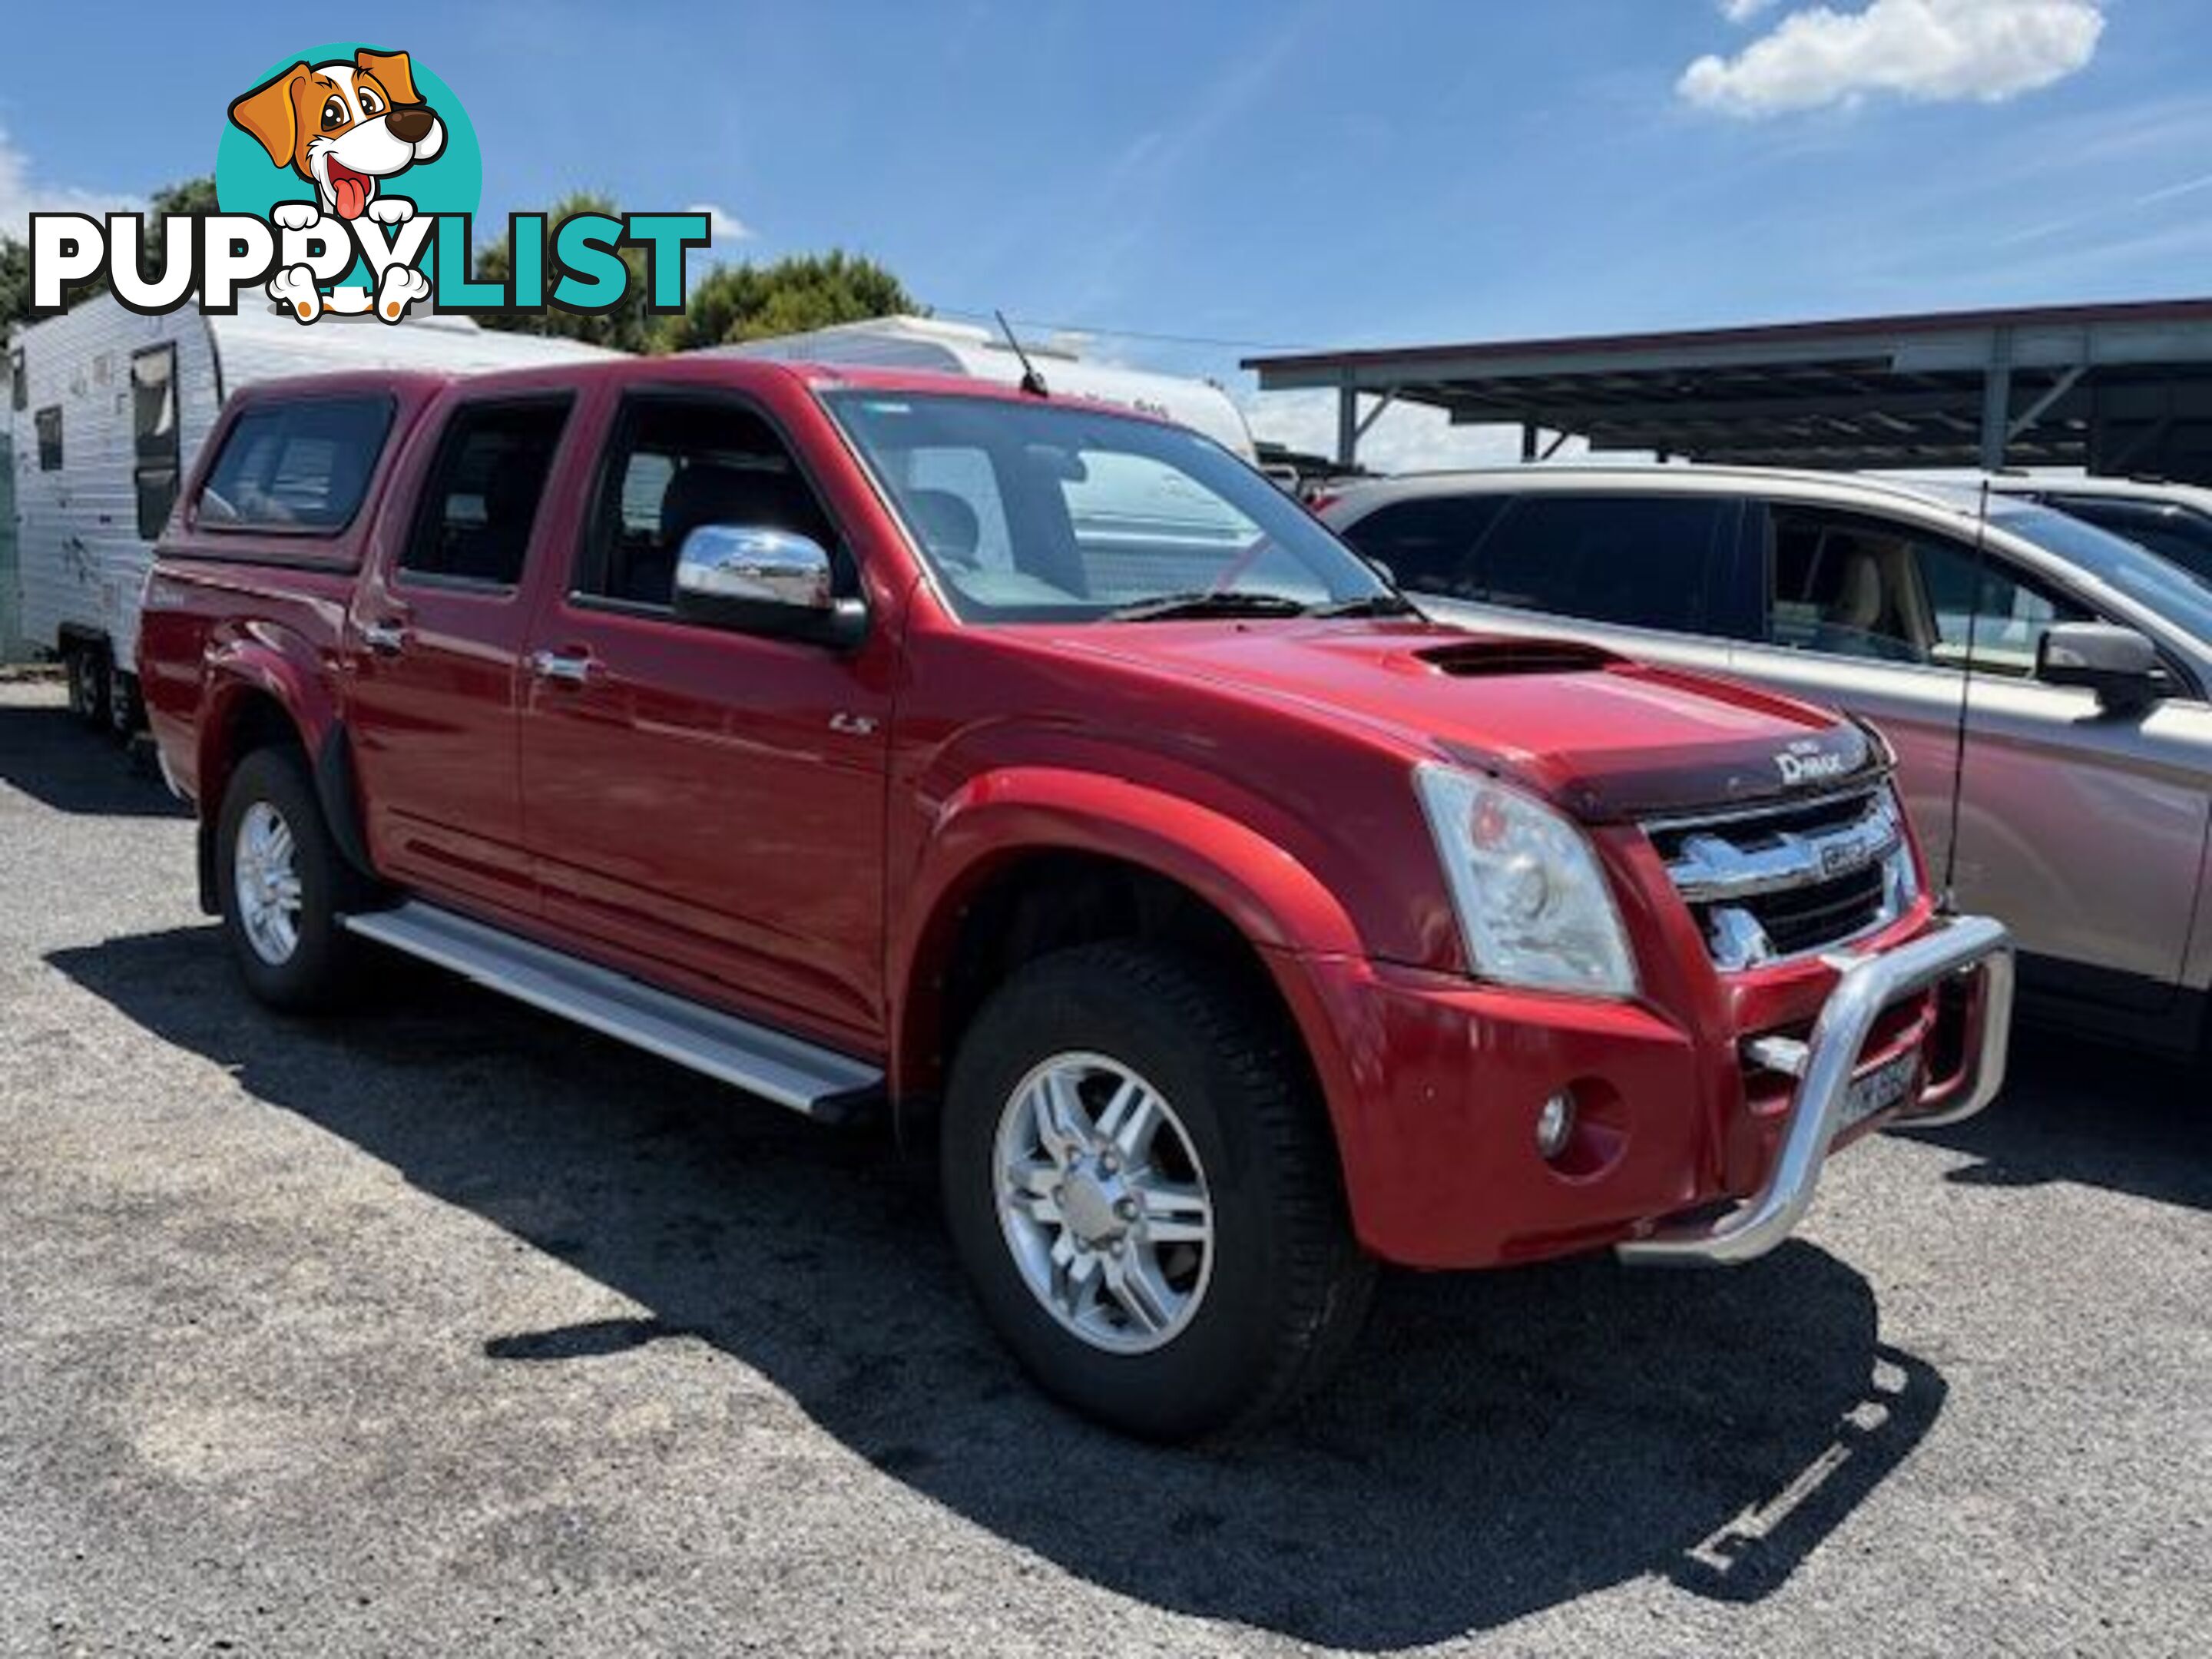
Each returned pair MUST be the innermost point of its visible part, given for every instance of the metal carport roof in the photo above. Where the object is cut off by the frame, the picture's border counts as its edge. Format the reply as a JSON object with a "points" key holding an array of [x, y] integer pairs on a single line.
{"points": [[2114, 388]]}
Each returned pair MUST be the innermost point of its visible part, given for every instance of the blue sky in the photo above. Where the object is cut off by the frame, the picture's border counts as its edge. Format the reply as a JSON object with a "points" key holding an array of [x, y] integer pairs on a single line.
{"points": [[1305, 173]]}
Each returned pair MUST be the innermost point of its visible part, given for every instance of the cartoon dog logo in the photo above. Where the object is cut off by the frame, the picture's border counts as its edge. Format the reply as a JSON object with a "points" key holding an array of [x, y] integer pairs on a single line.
{"points": [[345, 127]]}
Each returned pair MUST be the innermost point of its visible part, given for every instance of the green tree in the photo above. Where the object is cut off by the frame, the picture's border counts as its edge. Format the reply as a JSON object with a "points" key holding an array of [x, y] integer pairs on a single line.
{"points": [[194, 196], [628, 327], [15, 283], [788, 296]]}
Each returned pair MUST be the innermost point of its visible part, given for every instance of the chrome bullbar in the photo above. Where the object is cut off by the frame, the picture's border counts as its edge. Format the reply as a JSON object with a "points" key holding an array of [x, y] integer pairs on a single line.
{"points": [[1824, 1066]]}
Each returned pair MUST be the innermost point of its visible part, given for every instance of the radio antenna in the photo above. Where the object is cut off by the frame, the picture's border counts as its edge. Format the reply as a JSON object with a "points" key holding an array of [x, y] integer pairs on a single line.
{"points": [[1032, 382], [1966, 696]]}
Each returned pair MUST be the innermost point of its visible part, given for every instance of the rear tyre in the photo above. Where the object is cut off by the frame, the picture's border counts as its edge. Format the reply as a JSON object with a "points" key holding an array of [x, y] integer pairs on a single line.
{"points": [[1141, 1181], [285, 886]]}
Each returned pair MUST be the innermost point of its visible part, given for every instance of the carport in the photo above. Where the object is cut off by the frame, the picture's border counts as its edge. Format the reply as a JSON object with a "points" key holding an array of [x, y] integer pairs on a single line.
{"points": [[2124, 388]]}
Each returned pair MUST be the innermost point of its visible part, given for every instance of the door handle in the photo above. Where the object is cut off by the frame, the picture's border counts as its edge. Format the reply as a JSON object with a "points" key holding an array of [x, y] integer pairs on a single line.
{"points": [[387, 639], [569, 668]]}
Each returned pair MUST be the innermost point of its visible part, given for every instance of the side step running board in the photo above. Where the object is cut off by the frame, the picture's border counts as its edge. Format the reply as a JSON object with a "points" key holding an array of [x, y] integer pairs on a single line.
{"points": [[787, 1070]]}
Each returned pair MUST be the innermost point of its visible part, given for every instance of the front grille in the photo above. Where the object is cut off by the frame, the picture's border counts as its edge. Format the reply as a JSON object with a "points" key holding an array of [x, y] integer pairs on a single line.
{"points": [[1813, 917], [1788, 881]]}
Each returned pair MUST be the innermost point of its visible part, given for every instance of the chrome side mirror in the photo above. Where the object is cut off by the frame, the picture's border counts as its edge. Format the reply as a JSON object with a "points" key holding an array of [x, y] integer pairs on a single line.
{"points": [[774, 582], [2119, 664]]}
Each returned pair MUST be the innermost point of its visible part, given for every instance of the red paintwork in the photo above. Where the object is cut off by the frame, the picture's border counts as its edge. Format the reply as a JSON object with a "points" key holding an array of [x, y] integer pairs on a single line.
{"points": [[692, 814]]}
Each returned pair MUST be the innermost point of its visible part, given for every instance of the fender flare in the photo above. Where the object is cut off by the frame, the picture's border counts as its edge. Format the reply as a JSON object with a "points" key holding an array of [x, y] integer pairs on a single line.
{"points": [[1285, 911], [291, 677]]}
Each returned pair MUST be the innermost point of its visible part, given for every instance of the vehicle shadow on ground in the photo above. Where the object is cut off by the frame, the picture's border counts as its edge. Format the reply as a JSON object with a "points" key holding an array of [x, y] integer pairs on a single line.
{"points": [[51, 756], [1498, 1445], [2093, 1114]]}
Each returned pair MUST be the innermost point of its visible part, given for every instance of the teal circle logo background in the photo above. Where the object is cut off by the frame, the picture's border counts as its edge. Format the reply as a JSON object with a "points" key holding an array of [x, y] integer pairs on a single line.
{"points": [[248, 181]]}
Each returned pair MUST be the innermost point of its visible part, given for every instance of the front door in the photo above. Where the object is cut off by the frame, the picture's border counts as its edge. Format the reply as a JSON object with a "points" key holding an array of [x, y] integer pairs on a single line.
{"points": [[708, 805], [436, 636], [2083, 831]]}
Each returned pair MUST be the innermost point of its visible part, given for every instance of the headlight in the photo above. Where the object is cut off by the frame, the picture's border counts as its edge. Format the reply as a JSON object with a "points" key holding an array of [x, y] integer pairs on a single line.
{"points": [[1534, 907]]}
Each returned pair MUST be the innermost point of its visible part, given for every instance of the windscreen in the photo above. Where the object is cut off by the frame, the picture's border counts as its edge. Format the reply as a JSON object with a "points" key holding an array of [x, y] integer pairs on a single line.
{"points": [[2121, 565], [1033, 511]]}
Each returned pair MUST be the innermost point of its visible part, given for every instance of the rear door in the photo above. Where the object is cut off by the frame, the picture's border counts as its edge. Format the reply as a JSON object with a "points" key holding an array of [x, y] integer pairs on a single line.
{"points": [[708, 805], [2083, 831], [435, 639]]}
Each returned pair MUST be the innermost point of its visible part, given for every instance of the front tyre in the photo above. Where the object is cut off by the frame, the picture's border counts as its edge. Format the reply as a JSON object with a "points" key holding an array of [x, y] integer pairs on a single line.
{"points": [[1141, 1184], [285, 886]]}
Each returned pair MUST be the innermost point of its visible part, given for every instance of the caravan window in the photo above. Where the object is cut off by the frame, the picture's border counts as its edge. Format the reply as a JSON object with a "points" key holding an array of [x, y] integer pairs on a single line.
{"points": [[298, 467], [154, 435], [49, 423]]}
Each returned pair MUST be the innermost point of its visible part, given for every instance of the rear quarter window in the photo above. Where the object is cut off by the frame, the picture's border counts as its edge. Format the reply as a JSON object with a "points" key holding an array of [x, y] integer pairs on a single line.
{"points": [[295, 466]]}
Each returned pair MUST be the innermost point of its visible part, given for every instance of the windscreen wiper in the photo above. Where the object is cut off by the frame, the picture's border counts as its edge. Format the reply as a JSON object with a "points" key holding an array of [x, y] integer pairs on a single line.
{"points": [[1368, 604], [1208, 602]]}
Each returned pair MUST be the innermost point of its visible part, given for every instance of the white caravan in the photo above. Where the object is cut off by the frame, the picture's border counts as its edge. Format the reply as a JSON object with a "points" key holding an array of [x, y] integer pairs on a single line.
{"points": [[940, 348], [107, 408]]}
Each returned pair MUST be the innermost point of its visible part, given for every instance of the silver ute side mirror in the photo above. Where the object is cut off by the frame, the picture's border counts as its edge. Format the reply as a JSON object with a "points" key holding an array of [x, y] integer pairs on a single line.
{"points": [[774, 582], [2119, 664]]}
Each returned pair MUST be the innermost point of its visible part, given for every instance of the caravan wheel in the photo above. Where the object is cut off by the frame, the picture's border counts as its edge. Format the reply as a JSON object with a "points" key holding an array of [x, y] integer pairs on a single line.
{"points": [[125, 713], [87, 665]]}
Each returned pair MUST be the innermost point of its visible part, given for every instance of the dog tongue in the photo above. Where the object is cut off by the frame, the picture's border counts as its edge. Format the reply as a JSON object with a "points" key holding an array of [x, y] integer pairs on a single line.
{"points": [[352, 191]]}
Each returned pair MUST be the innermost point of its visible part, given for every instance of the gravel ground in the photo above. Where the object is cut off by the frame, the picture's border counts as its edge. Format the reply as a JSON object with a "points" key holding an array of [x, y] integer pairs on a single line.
{"points": [[447, 1330]]}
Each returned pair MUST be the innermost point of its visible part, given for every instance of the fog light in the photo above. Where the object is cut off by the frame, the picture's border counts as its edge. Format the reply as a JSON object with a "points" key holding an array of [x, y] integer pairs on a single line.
{"points": [[1555, 1124]]}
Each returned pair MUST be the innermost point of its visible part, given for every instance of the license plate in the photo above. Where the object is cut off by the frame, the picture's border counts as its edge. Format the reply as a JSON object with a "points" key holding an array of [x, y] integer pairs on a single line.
{"points": [[1890, 1084]]}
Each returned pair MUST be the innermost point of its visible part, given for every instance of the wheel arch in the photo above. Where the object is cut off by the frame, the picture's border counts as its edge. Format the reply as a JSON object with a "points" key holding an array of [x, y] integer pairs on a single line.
{"points": [[1023, 863], [257, 698]]}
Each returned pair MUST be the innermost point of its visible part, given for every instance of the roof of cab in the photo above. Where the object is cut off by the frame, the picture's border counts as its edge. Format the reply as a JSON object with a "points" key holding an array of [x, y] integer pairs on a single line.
{"points": [[696, 369], [1674, 478]]}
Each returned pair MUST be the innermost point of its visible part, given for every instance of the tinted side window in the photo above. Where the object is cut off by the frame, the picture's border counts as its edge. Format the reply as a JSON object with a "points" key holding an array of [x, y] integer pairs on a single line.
{"points": [[1655, 561], [1428, 545], [2003, 612], [154, 435], [481, 497], [299, 466], [1854, 586], [678, 462]]}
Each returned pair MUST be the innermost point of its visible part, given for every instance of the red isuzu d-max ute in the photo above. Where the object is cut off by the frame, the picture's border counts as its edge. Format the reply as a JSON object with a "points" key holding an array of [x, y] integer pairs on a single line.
{"points": [[1038, 770]]}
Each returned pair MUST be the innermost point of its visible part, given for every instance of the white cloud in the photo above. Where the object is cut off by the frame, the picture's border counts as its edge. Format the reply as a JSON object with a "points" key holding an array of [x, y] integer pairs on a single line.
{"points": [[1407, 438], [22, 195], [722, 225], [1929, 50], [1743, 11]]}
